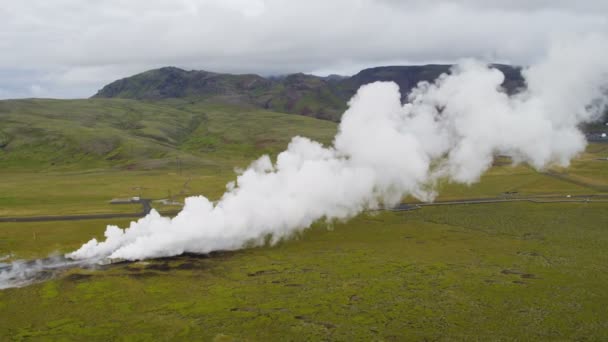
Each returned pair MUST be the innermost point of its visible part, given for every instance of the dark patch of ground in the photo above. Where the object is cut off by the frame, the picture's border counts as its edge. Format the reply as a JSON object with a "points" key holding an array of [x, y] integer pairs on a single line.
{"points": [[143, 275], [510, 272], [78, 277], [262, 272], [164, 267], [132, 269]]}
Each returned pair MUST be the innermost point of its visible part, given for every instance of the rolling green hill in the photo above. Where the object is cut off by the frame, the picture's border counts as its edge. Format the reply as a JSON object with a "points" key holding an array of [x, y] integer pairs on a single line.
{"points": [[100, 133]]}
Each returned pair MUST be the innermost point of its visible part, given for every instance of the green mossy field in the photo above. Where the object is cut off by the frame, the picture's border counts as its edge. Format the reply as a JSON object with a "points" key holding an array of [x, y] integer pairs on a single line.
{"points": [[484, 272], [504, 271]]}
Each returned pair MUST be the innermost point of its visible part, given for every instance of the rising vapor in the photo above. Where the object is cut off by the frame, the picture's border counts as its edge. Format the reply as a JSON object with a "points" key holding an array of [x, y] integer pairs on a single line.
{"points": [[450, 129]]}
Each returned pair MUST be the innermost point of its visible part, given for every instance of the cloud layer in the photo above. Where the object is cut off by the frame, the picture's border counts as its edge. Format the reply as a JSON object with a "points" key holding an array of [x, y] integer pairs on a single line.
{"points": [[70, 48]]}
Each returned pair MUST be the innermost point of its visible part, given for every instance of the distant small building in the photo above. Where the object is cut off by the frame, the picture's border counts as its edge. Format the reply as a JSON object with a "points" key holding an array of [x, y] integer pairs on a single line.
{"points": [[131, 200]]}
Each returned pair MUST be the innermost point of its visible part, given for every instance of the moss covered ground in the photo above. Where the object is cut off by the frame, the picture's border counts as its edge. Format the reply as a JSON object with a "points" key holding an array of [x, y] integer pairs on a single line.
{"points": [[516, 271], [507, 271]]}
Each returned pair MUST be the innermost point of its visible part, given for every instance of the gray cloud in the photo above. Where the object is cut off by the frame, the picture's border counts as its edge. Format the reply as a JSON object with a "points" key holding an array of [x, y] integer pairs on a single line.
{"points": [[70, 48]]}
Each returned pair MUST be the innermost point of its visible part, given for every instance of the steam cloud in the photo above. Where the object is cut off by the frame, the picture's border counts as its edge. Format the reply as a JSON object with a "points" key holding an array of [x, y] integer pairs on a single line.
{"points": [[450, 129], [21, 273]]}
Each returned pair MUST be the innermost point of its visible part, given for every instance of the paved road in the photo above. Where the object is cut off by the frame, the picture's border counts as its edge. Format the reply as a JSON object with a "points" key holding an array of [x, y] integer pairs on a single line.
{"points": [[146, 206], [402, 207], [145, 203], [67, 217], [533, 199]]}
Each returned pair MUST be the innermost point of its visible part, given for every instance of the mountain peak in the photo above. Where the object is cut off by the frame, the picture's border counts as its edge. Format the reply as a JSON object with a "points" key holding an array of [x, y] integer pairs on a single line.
{"points": [[299, 93]]}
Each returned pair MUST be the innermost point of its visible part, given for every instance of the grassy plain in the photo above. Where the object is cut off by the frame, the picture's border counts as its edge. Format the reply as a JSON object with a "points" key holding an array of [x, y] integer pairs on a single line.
{"points": [[509, 271], [485, 272]]}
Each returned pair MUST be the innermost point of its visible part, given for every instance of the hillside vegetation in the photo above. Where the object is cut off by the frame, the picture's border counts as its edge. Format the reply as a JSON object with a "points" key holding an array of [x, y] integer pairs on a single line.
{"points": [[100, 133]]}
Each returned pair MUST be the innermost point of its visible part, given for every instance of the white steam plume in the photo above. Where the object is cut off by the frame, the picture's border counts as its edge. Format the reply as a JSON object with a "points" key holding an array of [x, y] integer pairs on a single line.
{"points": [[449, 129]]}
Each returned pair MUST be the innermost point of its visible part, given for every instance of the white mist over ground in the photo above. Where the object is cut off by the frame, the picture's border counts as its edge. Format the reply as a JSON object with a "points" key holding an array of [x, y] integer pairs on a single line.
{"points": [[21, 273], [450, 129]]}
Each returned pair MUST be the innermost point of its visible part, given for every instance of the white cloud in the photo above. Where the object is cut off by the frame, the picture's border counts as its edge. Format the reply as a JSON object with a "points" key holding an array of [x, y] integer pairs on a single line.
{"points": [[71, 43], [37, 90]]}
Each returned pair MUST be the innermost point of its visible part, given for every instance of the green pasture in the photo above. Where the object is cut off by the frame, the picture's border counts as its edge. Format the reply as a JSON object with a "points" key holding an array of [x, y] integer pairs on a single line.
{"points": [[482, 272], [507, 271]]}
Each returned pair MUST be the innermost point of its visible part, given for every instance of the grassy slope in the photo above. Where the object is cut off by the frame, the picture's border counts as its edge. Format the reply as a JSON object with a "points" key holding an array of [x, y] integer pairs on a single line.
{"points": [[47, 134], [101, 133], [69, 157], [505, 271]]}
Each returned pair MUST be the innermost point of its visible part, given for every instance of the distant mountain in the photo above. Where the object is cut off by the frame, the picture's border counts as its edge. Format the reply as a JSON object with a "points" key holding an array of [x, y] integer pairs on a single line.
{"points": [[320, 97]]}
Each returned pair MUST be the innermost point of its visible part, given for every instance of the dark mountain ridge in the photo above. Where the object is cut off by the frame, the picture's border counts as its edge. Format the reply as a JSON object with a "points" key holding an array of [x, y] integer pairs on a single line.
{"points": [[310, 95]]}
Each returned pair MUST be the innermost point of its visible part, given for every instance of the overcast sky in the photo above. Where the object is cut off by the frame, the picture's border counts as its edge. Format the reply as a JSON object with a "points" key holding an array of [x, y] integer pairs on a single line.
{"points": [[71, 48]]}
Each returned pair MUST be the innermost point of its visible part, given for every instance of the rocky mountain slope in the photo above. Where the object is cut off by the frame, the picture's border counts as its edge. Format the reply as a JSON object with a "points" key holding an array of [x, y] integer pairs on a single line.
{"points": [[320, 97]]}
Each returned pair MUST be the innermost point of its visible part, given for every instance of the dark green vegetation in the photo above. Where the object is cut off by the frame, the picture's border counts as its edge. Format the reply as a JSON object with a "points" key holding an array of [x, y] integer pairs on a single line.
{"points": [[510, 271], [321, 97]]}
